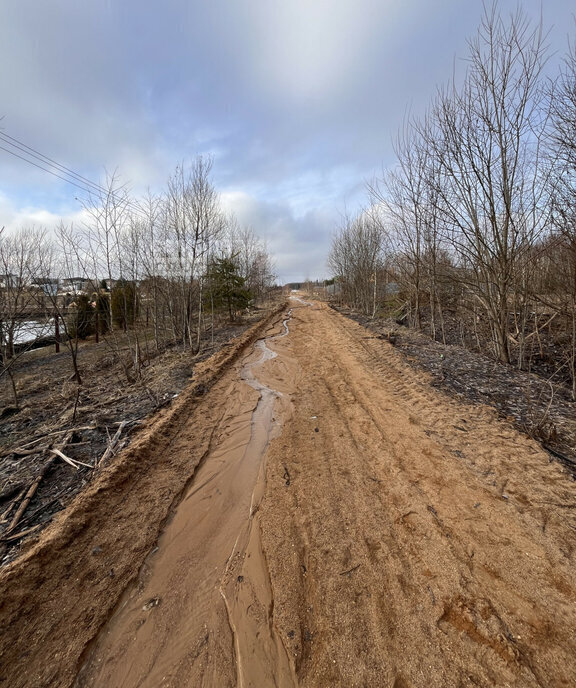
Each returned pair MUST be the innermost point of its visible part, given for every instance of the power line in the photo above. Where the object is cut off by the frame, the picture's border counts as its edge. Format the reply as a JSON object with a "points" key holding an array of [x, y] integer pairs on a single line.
{"points": [[71, 177], [30, 162], [28, 150]]}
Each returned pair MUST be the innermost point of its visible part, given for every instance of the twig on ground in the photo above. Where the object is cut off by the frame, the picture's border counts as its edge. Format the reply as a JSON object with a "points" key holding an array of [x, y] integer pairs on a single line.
{"points": [[43, 436], [343, 573], [112, 444], [128, 423], [43, 507], [67, 459], [559, 455]]}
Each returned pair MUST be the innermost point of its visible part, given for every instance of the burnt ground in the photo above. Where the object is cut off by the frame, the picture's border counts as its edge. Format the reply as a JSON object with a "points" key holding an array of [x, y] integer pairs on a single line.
{"points": [[535, 405], [81, 422]]}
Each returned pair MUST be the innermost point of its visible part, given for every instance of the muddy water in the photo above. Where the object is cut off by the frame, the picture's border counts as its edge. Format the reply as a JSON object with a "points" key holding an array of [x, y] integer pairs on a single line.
{"points": [[199, 612]]}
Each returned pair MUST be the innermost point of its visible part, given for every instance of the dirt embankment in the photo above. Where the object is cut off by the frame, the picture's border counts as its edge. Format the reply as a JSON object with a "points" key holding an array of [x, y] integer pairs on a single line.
{"points": [[401, 538], [82, 420]]}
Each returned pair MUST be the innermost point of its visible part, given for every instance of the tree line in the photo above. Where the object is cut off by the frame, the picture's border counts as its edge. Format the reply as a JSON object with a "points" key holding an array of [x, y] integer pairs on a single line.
{"points": [[476, 221], [153, 271]]}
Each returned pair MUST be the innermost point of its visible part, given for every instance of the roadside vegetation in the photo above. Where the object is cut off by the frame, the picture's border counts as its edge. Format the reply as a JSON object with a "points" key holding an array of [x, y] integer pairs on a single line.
{"points": [[103, 324], [141, 275], [471, 237]]}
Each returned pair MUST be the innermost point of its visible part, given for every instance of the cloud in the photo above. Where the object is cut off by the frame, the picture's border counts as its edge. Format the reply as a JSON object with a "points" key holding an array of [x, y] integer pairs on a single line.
{"points": [[15, 218], [297, 243], [297, 100]]}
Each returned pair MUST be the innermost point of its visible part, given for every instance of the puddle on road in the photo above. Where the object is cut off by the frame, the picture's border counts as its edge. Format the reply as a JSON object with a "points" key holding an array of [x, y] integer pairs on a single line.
{"points": [[207, 579], [261, 657]]}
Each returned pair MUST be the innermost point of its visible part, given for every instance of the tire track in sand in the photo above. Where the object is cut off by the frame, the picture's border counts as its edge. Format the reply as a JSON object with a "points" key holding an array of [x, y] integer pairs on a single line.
{"points": [[407, 552]]}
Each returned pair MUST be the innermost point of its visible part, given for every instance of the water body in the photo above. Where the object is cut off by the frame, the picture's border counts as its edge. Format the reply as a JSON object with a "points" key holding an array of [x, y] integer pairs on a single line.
{"points": [[29, 331]]}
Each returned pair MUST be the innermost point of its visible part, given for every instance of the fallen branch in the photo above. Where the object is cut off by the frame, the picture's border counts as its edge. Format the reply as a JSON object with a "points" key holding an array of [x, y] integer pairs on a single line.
{"points": [[27, 498], [18, 451], [73, 462], [112, 444], [19, 535], [7, 511]]}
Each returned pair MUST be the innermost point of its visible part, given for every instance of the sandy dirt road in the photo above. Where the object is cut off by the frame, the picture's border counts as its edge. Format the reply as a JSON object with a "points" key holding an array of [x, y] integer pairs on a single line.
{"points": [[335, 521]]}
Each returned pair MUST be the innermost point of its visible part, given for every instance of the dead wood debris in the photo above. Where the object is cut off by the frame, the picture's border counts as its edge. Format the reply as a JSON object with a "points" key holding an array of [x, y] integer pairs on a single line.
{"points": [[32, 489], [112, 444], [69, 461]]}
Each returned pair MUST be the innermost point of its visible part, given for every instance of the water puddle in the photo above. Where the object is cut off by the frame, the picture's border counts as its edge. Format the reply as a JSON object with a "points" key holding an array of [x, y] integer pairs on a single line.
{"points": [[206, 586], [261, 658]]}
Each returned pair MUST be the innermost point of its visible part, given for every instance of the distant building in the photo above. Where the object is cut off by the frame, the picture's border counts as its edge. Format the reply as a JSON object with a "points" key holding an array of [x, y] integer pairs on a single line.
{"points": [[10, 281], [48, 285], [75, 285]]}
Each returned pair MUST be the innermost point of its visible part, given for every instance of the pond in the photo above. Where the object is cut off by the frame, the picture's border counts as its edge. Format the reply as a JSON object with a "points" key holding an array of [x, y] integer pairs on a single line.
{"points": [[30, 330]]}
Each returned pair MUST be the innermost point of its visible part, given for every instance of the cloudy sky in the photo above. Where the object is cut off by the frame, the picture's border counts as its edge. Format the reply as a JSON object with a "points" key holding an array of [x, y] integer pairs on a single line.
{"points": [[298, 101]]}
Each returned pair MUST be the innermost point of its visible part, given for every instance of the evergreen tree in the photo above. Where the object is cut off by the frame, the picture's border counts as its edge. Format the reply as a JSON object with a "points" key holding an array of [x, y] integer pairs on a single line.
{"points": [[226, 288], [81, 323], [125, 304]]}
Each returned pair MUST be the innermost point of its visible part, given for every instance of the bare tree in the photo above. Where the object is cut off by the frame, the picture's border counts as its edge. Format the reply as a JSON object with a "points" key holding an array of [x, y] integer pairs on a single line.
{"points": [[150, 227], [487, 137], [194, 221], [65, 265], [409, 195], [355, 260], [109, 213], [253, 261], [22, 259], [563, 201]]}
